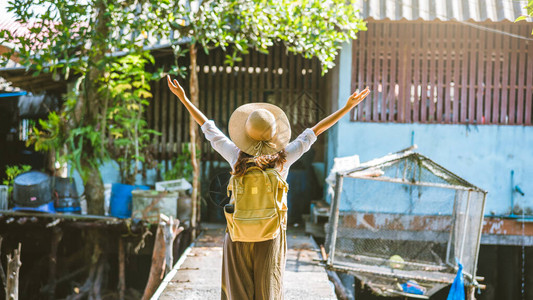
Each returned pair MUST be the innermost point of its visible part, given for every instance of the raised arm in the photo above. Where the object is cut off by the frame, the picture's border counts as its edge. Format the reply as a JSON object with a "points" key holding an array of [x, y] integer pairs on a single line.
{"points": [[330, 120], [177, 90]]}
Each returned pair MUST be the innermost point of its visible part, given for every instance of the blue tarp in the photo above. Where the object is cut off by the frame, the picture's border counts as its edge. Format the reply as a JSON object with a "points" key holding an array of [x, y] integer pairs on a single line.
{"points": [[457, 291]]}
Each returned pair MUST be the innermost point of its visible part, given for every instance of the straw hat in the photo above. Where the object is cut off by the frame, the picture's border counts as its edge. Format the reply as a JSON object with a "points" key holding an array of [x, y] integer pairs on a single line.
{"points": [[259, 128]]}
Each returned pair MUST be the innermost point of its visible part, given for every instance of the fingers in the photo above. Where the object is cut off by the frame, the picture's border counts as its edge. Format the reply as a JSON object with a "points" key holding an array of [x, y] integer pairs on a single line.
{"points": [[358, 95], [170, 81], [364, 93]]}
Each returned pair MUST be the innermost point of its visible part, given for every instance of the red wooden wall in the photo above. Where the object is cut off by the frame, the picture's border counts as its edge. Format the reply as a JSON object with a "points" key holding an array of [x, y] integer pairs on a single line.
{"points": [[445, 72]]}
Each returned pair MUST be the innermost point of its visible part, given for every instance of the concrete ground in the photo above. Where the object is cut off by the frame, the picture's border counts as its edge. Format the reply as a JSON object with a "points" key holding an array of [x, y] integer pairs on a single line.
{"points": [[197, 274]]}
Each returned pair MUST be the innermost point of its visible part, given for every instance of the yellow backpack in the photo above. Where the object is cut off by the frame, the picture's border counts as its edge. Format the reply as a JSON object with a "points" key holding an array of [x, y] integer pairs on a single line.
{"points": [[260, 205]]}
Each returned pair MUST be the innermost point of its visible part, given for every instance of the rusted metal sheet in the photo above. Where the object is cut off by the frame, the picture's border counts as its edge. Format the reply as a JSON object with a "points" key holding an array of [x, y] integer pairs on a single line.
{"points": [[383, 221], [502, 226], [444, 72]]}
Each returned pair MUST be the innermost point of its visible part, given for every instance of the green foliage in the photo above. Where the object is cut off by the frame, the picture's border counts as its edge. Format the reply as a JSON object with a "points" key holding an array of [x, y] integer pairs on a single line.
{"points": [[100, 44], [11, 173], [127, 83], [313, 28], [64, 130], [101, 117], [529, 9], [181, 165]]}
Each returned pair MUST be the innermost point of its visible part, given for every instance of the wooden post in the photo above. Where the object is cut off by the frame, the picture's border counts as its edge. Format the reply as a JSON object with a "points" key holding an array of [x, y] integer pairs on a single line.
{"points": [[167, 230], [2, 273], [121, 270], [470, 292], [13, 266]]}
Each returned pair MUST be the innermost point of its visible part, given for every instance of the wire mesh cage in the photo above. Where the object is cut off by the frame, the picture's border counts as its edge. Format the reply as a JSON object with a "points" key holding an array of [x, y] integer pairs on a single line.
{"points": [[404, 218]]}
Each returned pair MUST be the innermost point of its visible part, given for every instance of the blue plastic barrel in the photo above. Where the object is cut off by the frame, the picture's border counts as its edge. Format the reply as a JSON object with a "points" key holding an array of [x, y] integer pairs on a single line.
{"points": [[120, 202]]}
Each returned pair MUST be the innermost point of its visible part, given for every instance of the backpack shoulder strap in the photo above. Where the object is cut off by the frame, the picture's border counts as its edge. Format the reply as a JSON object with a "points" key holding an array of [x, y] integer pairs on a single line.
{"points": [[282, 183]]}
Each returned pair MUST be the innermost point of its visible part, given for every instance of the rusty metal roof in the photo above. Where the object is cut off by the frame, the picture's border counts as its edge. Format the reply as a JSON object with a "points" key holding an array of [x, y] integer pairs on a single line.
{"points": [[444, 10]]}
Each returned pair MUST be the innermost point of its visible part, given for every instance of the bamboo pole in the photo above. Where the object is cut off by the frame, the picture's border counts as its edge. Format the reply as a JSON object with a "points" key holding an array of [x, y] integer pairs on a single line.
{"points": [[193, 133]]}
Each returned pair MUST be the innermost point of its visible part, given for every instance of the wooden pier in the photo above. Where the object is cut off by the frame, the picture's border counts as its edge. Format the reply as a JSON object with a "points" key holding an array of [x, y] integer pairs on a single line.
{"points": [[197, 274]]}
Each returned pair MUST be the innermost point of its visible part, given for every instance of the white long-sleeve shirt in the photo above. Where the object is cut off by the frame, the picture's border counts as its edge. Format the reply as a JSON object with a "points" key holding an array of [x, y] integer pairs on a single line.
{"points": [[223, 145]]}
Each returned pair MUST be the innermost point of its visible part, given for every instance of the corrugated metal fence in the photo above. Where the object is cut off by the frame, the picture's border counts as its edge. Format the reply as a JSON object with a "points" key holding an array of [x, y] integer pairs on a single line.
{"points": [[436, 72]]}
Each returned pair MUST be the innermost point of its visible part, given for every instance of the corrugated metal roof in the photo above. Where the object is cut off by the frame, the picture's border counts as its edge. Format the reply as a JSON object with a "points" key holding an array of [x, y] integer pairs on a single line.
{"points": [[444, 10], [16, 28]]}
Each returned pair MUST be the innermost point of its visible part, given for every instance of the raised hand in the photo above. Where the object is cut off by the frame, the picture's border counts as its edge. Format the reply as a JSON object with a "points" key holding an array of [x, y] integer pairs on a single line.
{"points": [[330, 120], [357, 97], [176, 88]]}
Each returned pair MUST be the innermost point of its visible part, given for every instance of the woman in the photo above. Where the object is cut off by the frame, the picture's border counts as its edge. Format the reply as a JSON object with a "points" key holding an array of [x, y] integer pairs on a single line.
{"points": [[260, 134]]}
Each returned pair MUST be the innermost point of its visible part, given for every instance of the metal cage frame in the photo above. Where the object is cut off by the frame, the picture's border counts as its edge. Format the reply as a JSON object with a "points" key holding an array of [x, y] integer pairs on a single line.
{"points": [[444, 278]]}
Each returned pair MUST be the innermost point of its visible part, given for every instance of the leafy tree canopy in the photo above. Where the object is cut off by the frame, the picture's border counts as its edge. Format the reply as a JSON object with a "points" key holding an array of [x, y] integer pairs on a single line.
{"points": [[86, 40], [529, 9], [68, 32]]}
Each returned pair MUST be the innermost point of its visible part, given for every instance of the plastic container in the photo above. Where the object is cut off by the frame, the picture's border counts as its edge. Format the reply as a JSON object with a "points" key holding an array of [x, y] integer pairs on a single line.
{"points": [[167, 204], [3, 197], [66, 199], [32, 189], [120, 202], [44, 208]]}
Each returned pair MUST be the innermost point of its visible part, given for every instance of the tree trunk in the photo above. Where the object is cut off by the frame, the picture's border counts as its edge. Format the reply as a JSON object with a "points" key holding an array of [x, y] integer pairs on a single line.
{"points": [[95, 248], [94, 112], [94, 191], [193, 133]]}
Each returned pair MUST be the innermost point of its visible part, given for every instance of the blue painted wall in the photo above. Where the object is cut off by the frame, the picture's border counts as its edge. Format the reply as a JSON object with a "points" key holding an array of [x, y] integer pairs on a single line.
{"points": [[483, 155], [110, 174]]}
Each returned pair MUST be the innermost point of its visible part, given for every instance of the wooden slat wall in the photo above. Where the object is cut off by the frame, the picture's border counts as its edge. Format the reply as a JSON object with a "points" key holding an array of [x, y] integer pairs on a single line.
{"points": [[286, 80], [444, 72]]}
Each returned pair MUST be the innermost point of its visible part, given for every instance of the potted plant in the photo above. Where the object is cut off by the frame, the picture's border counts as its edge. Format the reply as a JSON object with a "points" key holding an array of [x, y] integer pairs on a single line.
{"points": [[128, 87]]}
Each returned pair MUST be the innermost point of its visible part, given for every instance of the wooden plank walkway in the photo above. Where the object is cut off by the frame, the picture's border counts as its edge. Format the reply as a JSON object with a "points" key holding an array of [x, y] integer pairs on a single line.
{"points": [[197, 274]]}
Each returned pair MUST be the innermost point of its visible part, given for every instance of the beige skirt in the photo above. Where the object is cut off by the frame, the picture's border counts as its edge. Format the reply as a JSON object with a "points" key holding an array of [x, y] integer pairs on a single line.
{"points": [[253, 271]]}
